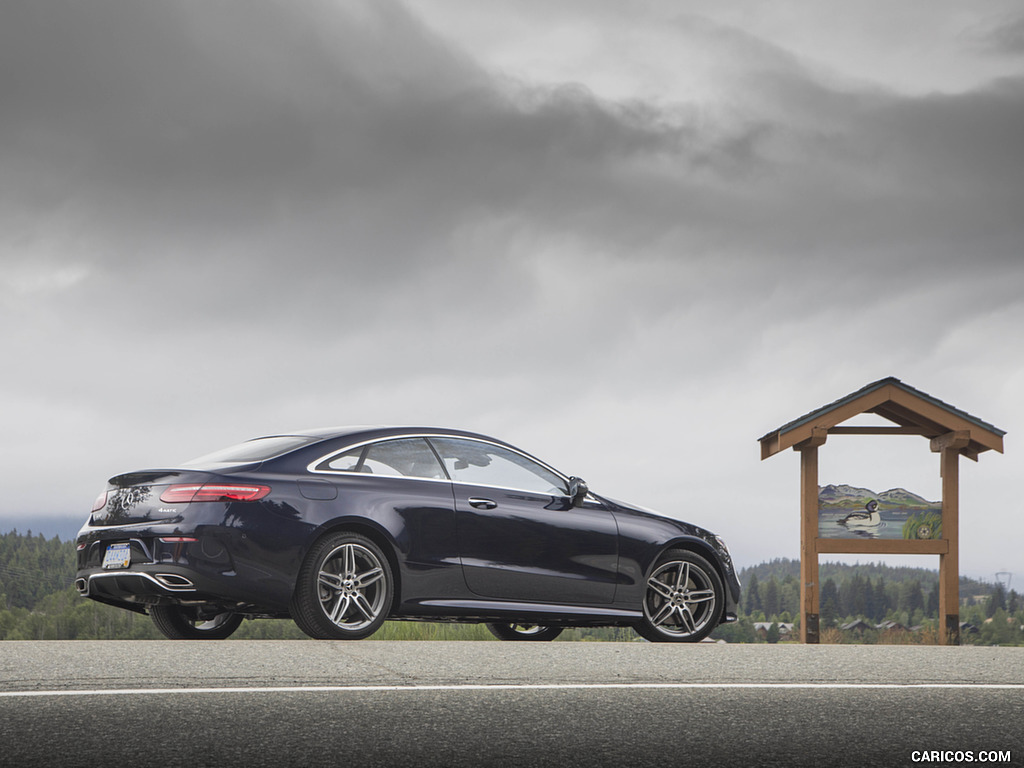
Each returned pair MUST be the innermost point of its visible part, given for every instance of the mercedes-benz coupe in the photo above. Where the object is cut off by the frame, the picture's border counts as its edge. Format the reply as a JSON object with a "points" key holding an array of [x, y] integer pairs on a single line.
{"points": [[342, 529]]}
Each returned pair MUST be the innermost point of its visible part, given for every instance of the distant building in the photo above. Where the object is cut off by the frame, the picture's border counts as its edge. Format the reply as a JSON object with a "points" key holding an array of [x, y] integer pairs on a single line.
{"points": [[856, 626], [890, 626], [785, 629]]}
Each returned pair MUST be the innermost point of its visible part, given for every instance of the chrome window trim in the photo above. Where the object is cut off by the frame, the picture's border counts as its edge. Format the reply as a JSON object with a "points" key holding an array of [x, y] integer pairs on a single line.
{"points": [[312, 467], [198, 463], [506, 488]]}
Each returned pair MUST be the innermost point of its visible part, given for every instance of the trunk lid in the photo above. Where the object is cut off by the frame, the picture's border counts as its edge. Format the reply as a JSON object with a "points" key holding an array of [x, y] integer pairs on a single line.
{"points": [[134, 497]]}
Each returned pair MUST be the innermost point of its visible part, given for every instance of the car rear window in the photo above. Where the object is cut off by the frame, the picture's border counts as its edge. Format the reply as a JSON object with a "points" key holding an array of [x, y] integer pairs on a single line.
{"points": [[260, 449]]}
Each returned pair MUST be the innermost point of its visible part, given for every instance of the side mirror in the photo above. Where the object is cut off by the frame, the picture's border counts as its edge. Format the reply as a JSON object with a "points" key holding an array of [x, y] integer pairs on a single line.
{"points": [[577, 491]]}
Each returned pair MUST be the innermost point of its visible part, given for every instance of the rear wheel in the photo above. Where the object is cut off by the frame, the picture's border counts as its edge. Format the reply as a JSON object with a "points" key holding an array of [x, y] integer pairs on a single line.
{"points": [[535, 632], [344, 588], [683, 601], [178, 623]]}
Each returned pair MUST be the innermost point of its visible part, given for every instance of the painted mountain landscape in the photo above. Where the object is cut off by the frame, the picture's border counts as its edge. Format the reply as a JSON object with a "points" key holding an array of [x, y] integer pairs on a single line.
{"points": [[851, 497]]}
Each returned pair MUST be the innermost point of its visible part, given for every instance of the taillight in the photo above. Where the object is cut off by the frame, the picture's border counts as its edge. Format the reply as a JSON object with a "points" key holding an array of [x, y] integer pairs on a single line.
{"points": [[178, 539], [100, 503], [178, 494]]}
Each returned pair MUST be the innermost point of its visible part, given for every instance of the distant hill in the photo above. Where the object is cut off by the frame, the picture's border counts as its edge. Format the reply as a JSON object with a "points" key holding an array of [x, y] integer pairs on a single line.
{"points": [[851, 497], [65, 527], [904, 498]]}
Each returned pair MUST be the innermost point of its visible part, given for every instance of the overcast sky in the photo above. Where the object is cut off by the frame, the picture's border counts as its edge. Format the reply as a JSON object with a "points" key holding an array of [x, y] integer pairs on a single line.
{"points": [[629, 237]]}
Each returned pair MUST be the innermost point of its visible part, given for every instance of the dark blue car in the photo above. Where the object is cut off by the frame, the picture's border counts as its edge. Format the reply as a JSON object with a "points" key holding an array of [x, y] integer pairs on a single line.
{"points": [[342, 529]]}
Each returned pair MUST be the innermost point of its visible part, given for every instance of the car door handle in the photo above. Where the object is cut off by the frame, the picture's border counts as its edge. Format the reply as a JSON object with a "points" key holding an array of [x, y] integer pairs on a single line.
{"points": [[482, 503]]}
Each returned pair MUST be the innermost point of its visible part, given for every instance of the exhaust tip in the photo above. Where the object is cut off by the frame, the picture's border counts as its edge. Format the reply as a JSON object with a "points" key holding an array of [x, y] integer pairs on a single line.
{"points": [[82, 586], [173, 581]]}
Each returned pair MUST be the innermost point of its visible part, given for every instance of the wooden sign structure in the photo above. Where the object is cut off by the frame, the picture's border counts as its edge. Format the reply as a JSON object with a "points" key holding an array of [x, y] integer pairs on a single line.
{"points": [[952, 433]]}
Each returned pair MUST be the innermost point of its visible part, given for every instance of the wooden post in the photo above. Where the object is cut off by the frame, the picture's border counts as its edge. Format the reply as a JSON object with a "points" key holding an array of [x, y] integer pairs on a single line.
{"points": [[809, 590], [948, 446], [949, 563]]}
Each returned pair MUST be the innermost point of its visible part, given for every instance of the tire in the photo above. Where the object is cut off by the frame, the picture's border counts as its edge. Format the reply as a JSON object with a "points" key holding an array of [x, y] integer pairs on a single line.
{"points": [[531, 632], [344, 589], [683, 600], [178, 623]]}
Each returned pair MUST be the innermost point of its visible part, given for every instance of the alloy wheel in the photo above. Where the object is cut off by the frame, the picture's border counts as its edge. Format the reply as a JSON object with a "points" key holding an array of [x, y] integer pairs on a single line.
{"points": [[344, 588], [178, 623], [350, 585], [683, 599], [524, 631]]}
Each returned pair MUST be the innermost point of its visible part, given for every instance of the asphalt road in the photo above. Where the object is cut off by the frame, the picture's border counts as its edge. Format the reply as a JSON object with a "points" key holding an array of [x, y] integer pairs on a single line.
{"points": [[267, 703]]}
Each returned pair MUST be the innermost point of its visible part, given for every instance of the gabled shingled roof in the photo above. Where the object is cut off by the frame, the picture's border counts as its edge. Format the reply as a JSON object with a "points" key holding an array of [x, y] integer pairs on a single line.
{"points": [[901, 404]]}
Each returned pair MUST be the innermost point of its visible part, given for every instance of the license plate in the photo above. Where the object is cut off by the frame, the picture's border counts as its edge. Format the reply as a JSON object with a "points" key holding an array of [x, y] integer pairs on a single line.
{"points": [[118, 556]]}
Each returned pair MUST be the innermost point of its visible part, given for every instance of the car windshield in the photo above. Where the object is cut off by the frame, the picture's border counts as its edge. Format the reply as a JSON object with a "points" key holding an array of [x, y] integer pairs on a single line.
{"points": [[260, 449]]}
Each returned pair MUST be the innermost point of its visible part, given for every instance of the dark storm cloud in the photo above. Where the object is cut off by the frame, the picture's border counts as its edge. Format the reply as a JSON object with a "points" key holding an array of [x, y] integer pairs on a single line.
{"points": [[352, 139], [1004, 38], [276, 148], [353, 166], [214, 110], [209, 153]]}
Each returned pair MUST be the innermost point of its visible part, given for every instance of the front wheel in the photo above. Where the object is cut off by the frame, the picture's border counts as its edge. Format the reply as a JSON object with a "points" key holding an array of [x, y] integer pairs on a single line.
{"points": [[535, 632], [177, 623], [344, 589], [683, 601]]}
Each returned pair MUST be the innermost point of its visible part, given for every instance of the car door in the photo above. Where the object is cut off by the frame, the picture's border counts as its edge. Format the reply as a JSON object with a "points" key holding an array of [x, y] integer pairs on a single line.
{"points": [[399, 484], [519, 536]]}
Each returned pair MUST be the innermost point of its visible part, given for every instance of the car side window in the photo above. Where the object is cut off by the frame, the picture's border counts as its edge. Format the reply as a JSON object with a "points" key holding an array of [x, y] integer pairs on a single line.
{"points": [[407, 457], [470, 461]]}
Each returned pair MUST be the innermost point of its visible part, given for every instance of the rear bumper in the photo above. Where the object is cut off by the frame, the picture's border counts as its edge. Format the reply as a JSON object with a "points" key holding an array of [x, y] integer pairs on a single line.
{"points": [[194, 566], [141, 586], [156, 584], [138, 584]]}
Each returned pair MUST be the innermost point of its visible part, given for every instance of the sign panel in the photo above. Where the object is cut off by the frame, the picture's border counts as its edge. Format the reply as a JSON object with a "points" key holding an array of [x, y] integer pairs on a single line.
{"points": [[851, 512]]}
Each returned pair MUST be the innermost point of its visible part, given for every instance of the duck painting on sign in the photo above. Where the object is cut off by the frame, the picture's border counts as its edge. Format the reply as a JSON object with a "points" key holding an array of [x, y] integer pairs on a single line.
{"points": [[846, 511]]}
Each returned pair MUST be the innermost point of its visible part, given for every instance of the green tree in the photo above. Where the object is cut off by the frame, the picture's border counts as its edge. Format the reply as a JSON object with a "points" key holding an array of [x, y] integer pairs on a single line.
{"points": [[789, 596], [828, 603], [741, 631], [770, 599], [996, 630], [911, 596], [996, 601], [753, 596], [854, 596], [881, 601]]}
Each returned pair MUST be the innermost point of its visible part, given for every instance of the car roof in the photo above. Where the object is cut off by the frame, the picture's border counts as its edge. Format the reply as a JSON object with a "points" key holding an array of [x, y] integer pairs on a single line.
{"points": [[371, 432]]}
